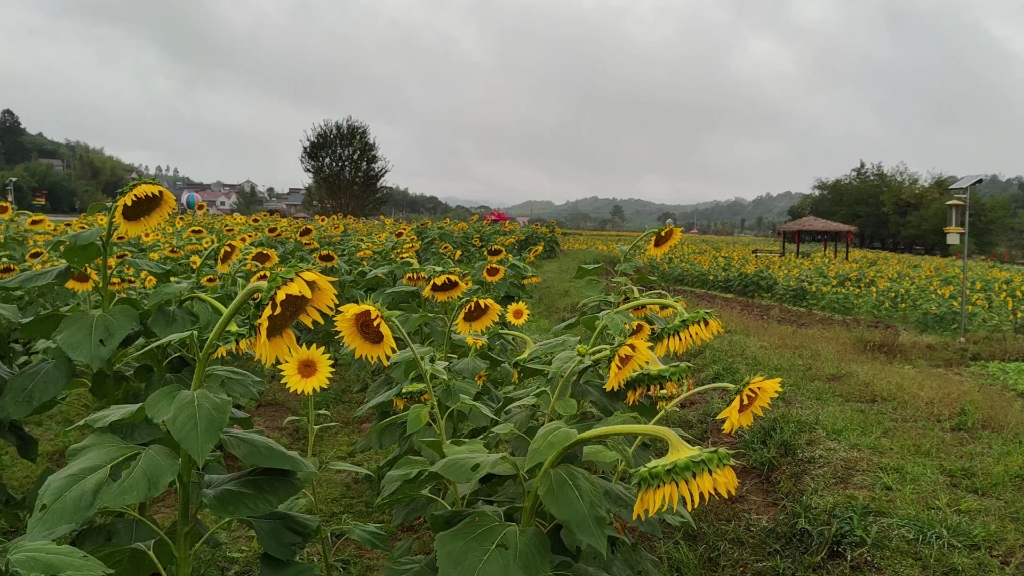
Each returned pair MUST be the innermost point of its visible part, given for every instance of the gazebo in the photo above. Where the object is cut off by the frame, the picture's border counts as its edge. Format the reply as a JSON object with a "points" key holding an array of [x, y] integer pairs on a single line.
{"points": [[820, 226]]}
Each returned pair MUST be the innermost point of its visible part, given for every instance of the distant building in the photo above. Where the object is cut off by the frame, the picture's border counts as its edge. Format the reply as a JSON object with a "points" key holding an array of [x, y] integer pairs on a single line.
{"points": [[57, 164], [523, 220], [220, 202]]}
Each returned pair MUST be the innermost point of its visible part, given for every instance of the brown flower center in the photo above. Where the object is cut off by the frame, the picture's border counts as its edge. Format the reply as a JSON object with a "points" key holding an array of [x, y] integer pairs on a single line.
{"points": [[475, 311], [518, 314], [326, 257], [81, 277], [307, 368], [664, 237], [495, 251], [446, 284], [141, 207], [288, 311], [261, 257], [227, 254], [305, 231], [492, 271], [368, 329]]}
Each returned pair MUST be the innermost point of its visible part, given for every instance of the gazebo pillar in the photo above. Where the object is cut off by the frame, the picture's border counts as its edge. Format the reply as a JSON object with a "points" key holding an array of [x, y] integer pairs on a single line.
{"points": [[796, 235], [783, 243], [835, 245], [847, 246]]}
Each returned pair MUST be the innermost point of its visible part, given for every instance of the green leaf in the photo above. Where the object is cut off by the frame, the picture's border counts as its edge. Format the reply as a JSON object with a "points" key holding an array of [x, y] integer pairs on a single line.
{"points": [[24, 443], [469, 366], [369, 535], [10, 313], [197, 418], [587, 271], [108, 416], [237, 383], [419, 415], [599, 453], [81, 255], [49, 559], [483, 545], [565, 406], [412, 566], [155, 268], [166, 320], [37, 278], [71, 494], [573, 497], [250, 492], [551, 438], [97, 207], [158, 405], [34, 386], [41, 326], [406, 468], [270, 566], [283, 534], [255, 449], [91, 337], [346, 467], [147, 477], [463, 468], [168, 291]]}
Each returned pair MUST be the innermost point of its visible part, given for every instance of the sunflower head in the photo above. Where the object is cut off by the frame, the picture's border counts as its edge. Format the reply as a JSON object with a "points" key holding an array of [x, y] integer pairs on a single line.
{"points": [[687, 475], [210, 280], [228, 253], [663, 240], [263, 258], [532, 279], [660, 383], [632, 356], [306, 370], [326, 258], [143, 208], [201, 207], [517, 313], [174, 252], [82, 280], [753, 398], [687, 332], [37, 222], [476, 343], [477, 316], [305, 232], [6, 210], [34, 254], [302, 298], [410, 393], [415, 278], [261, 276], [445, 287], [121, 255], [363, 329], [494, 272], [480, 378], [8, 269], [495, 252]]}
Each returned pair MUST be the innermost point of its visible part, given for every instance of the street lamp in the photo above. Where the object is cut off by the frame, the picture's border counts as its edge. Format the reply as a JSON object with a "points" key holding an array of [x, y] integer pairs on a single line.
{"points": [[953, 232], [10, 189]]}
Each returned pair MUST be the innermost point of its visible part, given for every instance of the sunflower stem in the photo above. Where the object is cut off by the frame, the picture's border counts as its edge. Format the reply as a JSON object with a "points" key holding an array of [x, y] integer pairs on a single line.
{"points": [[105, 244], [325, 537], [208, 299], [199, 268], [558, 389], [524, 338], [635, 242], [440, 424], [675, 444], [218, 330]]}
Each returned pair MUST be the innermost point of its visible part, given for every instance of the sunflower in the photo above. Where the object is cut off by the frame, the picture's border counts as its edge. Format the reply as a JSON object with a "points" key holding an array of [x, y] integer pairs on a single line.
{"points": [[264, 257], [122, 238], [686, 473], [517, 313], [306, 232], [8, 269], [632, 356], [255, 220], [445, 287], [445, 248], [410, 393], [326, 258], [661, 383], [143, 208], [174, 252], [364, 254], [532, 279], [115, 284], [302, 298], [480, 378], [495, 253], [230, 230], [321, 219], [34, 254], [228, 253], [196, 232], [663, 240], [476, 343], [261, 276], [753, 399], [310, 244], [273, 231], [82, 280], [494, 272], [691, 330], [149, 282], [121, 255], [210, 280], [37, 222], [640, 330], [306, 370], [363, 329], [200, 207], [477, 316], [6, 210], [400, 233], [415, 278]]}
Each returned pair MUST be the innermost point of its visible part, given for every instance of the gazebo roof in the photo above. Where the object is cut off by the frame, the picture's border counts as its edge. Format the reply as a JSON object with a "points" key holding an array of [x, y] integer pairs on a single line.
{"points": [[815, 224]]}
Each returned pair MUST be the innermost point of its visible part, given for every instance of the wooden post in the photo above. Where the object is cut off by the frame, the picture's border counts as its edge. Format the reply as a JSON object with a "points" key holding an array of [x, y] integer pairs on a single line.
{"points": [[847, 246], [783, 243], [796, 235], [835, 245], [824, 244]]}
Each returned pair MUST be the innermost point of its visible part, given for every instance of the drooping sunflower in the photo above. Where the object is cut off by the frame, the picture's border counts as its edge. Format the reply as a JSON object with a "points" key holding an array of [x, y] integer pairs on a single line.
{"points": [[121, 255], [201, 207], [692, 330], [261, 276], [306, 370], [263, 257], [494, 272], [410, 393], [302, 298], [661, 383], [632, 356], [306, 232], [753, 398], [415, 278], [495, 253], [174, 252], [196, 232], [477, 316], [82, 280], [445, 287], [8, 269], [210, 280], [532, 279], [517, 313], [34, 254], [228, 253], [363, 329], [326, 258], [687, 474], [640, 330], [37, 222], [663, 240], [480, 378], [6, 210], [143, 208]]}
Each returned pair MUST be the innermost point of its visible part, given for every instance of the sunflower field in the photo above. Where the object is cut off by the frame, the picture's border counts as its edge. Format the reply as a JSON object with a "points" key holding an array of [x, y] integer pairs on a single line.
{"points": [[501, 454], [921, 291]]}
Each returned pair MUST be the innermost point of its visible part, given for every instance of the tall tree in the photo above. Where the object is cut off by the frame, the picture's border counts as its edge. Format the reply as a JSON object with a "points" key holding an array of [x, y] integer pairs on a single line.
{"points": [[248, 201], [159, 170], [175, 173], [346, 168], [664, 216], [13, 149]]}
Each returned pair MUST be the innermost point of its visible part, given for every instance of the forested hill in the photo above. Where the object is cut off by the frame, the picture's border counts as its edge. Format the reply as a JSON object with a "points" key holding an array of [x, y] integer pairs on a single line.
{"points": [[639, 214]]}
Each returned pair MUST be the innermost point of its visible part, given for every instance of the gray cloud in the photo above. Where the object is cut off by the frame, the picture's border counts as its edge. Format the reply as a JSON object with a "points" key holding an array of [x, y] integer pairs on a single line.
{"points": [[666, 100]]}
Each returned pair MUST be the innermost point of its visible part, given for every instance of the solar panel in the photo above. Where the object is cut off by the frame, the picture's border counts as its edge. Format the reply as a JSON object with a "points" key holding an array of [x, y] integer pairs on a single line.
{"points": [[968, 181]]}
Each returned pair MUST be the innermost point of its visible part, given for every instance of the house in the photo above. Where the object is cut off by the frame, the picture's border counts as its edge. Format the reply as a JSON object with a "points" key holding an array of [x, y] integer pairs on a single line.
{"points": [[293, 201], [523, 220], [58, 165], [220, 202]]}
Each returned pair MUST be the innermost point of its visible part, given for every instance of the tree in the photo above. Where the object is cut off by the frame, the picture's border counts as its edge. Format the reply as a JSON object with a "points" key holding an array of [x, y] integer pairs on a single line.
{"points": [[248, 201], [145, 169], [618, 213], [175, 173], [159, 170], [271, 191], [167, 169], [743, 225], [666, 215], [13, 149], [346, 167]]}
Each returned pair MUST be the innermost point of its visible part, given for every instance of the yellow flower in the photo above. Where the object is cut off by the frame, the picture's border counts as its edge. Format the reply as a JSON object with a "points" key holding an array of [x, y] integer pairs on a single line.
{"points": [[531, 279], [174, 252], [688, 475], [517, 313], [445, 287], [494, 272], [8, 269], [34, 254], [640, 330], [495, 253], [663, 240], [692, 330], [415, 278], [37, 222], [480, 378], [302, 298], [6, 210], [228, 253], [363, 329], [753, 399], [477, 316], [264, 257], [629, 358], [143, 208], [476, 342], [82, 280], [149, 282], [200, 207], [326, 258], [261, 276], [210, 280], [306, 232], [306, 370]]}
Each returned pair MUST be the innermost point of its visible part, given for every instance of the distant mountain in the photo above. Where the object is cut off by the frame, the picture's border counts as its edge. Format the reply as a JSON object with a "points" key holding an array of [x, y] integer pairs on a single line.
{"points": [[590, 212], [456, 201]]}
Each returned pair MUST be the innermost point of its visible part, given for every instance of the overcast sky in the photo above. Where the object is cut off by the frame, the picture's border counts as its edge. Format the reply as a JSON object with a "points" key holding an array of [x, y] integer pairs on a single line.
{"points": [[673, 101]]}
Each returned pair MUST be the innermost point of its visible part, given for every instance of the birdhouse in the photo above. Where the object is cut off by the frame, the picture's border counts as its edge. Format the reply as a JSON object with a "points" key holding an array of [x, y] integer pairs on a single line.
{"points": [[954, 227]]}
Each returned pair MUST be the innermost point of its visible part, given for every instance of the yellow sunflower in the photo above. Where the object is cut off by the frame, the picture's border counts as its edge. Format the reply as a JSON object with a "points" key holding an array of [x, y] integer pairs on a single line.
{"points": [[363, 329], [495, 253], [143, 208], [663, 240], [302, 298], [210, 280], [445, 287], [306, 232], [533, 279], [37, 222], [149, 282], [121, 255], [174, 252], [686, 474], [306, 370], [201, 207], [517, 313], [6, 210], [477, 316], [273, 231], [8, 269], [228, 253], [632, 356], [753, 399], [261, 276], [415, 278], [476, 343], [264, 257], [82, 280], [494, 272], [690, 331], [196, 232], [326, 258], [34, 254], [640, 330]]}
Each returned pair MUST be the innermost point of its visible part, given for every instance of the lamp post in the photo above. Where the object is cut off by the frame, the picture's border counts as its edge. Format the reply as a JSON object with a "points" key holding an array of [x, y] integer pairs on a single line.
{"points": [[10, 189], [953, 236]]}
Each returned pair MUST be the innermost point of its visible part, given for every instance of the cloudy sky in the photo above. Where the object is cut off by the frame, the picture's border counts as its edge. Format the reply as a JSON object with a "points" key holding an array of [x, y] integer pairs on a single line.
{"points": [[671, 100]]}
